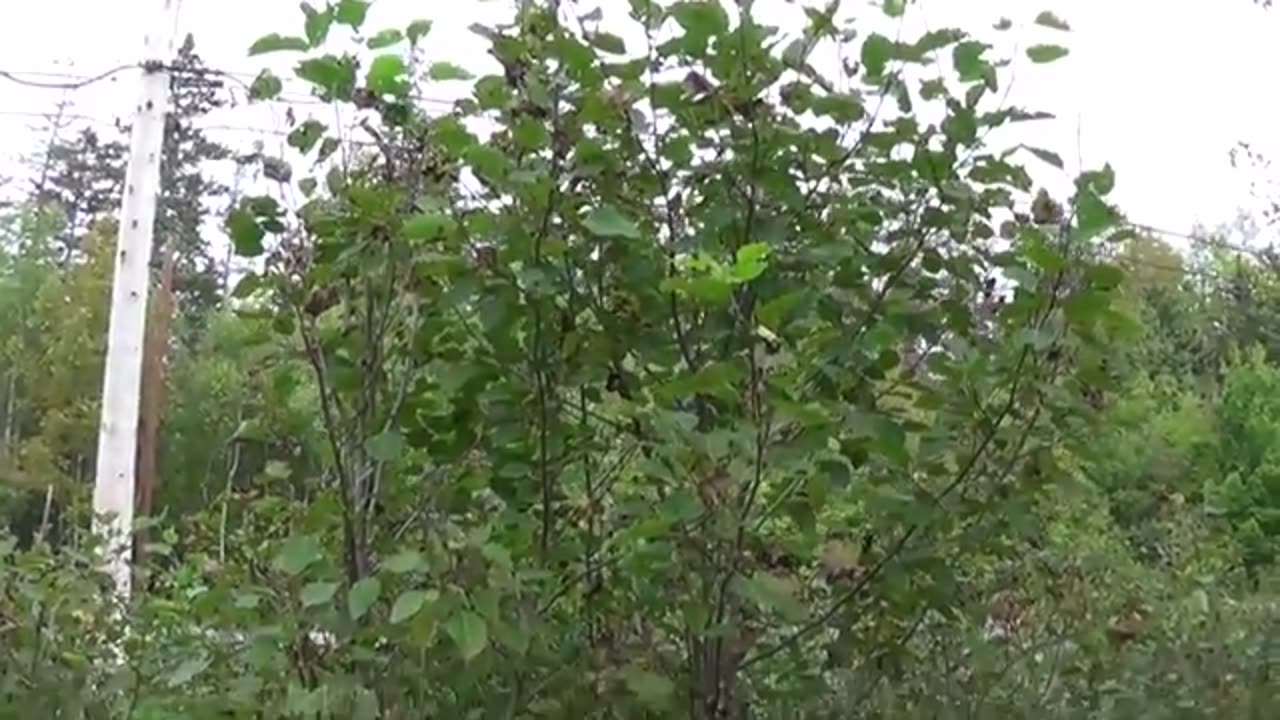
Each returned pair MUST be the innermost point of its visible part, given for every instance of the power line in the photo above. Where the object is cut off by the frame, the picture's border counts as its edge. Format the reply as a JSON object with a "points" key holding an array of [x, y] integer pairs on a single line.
{"points": [[104, 121], [74, 85], [73, 81]]}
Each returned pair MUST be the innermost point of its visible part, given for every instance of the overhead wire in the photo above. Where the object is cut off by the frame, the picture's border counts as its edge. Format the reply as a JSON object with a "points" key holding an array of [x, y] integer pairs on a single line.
{"points": [[75, 81], [72, 85]]}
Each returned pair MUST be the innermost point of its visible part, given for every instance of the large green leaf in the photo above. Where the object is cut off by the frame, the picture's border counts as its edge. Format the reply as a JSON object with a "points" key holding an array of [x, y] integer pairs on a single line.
{"points": [[276, 43], [385, 39], [297, 554], [417, 30], [352, 12], [429, 226], [608, 221], [1050, 20], [404, 562], [607, 42], [305, 136], [876, 52], [469, 633], [772, 593], [448, 71], [407, 605], [702, 18], [187, 670], [334, 76], [1046, 53], [388, 75], [362, 596], [386, 446], [317, 24], [246, 234], [265, 86], [318, 593], [968, 60]]}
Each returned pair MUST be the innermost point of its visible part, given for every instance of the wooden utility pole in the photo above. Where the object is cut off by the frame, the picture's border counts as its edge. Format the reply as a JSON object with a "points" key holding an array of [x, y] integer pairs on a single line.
{"points": [[155, 379], [113, 489]]}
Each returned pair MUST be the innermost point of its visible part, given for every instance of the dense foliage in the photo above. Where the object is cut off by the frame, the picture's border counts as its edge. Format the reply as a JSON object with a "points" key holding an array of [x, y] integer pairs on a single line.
{"points": [[663, 376]]}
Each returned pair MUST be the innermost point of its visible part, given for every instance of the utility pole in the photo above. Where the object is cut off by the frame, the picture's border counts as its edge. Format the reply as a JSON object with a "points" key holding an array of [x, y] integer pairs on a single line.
{"points": [[113, 488]]}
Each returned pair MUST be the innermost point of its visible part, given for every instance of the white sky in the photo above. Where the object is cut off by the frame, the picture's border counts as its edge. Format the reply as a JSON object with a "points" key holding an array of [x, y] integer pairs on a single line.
{"points": [[1161, 89]]}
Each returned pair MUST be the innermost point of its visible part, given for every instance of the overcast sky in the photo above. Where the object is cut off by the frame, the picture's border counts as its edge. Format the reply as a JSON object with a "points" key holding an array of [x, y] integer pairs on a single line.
{"points": [[1161, 89]]}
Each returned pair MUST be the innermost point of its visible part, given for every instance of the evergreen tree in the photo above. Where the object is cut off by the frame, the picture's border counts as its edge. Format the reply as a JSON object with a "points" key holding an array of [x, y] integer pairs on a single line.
{"points": [[187, 189], [82, 177]]}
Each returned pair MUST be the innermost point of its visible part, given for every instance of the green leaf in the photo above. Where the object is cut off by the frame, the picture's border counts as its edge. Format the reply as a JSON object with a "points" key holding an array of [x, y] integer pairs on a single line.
{"points": [[1046, 53], [607, 42], [318, 593], [1101, 181], [276, 42], [962, 126], [1049, 20], [248, 285], [352, 12], [772, 593], [841, 107], [469, 633], [649, 687], [607, 221], [448, 71], [265, 86], [750, 262], [334, 76], [1104, 277], [362, 596], [246, 234], [328, 147], [305, 136], [1042, 254], [1093, 214], [404, 562], [187, 670], [530, 133], [428, 226], [297, 554], [407, 605], [876, 51], [797, 52], [384, 39], [417, 30], [969, 64], [1085, 306], [1048, 156], [277, 169], [894, 8], [933, 41], [701, 18], [386, 446], [317, 24], [1003, 24], [387, 75]]}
